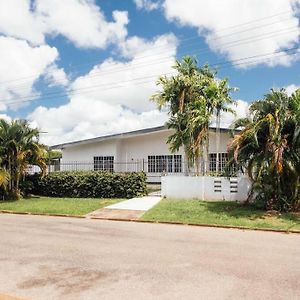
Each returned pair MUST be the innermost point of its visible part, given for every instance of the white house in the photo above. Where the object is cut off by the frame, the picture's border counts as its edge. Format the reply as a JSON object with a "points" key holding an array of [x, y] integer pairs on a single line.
{"points": [[141, 150]]}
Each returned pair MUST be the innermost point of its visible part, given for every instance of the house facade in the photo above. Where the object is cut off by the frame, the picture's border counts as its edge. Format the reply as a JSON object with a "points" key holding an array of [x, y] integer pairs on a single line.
{"points": [[141, 150]]}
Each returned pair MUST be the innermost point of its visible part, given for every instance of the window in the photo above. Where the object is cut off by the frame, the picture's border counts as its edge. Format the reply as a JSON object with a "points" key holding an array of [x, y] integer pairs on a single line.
{"points": [[223, 158], [164, 164], [213, 162], [177, 164], [104, 163]]}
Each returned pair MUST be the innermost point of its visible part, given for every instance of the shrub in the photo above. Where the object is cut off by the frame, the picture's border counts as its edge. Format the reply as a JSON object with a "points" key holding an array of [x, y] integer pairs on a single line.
{"points": [[87, 184]]}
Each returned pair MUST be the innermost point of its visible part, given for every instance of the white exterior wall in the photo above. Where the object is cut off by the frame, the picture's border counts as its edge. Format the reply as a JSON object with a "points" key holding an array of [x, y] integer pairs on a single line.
{"points": [[130, 152], [224, 140], [83, 155], [205, 188], [137, 149], [140, 147]]}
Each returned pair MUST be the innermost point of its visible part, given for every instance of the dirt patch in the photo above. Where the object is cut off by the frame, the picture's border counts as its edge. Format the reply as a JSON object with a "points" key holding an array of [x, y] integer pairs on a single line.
{"points": [[117, 214], [6, 297], [66, 280]]}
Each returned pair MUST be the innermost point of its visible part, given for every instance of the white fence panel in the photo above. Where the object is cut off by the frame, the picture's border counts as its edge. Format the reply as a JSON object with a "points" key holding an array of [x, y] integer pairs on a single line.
{"points": [[205, 187]]}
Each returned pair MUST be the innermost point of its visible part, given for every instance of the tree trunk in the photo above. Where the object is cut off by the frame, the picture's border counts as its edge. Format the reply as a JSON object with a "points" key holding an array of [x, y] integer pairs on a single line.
{"points": [[206, 162], [186, 164], [218, 133]]}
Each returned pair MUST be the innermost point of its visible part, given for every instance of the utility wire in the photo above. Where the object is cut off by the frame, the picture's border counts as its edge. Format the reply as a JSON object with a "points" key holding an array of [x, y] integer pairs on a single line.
{"points": [[196, 37], [145, 79], [202, 50]]}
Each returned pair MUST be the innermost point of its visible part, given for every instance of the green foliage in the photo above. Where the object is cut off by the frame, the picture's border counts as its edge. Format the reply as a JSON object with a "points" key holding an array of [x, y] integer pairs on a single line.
{"points": [[50, 205], [192, 97], [87, 185], [220, 212], [268, 148], [53, 155], [19, 147]]}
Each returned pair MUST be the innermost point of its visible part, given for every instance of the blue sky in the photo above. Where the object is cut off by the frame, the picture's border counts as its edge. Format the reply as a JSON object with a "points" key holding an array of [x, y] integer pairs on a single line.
{"points": [[78, 69]]}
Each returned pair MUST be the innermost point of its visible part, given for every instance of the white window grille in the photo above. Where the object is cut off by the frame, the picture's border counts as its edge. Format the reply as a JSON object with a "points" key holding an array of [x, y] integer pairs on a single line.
{"points": [[104, 163], [164, 163], [223, 158]]}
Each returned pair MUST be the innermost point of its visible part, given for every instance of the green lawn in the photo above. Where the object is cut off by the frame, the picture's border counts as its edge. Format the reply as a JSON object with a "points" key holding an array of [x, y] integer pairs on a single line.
{"points": [[70, 206], [220, 213]]}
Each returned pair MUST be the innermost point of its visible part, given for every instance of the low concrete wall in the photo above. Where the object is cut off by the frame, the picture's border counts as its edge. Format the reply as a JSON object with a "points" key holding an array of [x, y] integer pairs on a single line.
{"points": [[205, 187]]}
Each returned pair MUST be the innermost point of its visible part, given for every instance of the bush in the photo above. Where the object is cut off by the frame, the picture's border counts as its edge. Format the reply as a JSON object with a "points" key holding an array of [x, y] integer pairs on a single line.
{"points": [[86, 185]]}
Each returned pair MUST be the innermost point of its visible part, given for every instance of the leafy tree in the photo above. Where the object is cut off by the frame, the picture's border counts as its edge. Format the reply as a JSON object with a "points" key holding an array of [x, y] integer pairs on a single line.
{"points": [[4, 179], [192, 97], [19, 147], [54, 154], [268, 148], [219, 100]]}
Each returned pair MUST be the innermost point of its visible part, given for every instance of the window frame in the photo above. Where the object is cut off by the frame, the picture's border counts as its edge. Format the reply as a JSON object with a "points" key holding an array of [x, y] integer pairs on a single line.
{"points": [[104, 163], [223, 159], [168, 163]]}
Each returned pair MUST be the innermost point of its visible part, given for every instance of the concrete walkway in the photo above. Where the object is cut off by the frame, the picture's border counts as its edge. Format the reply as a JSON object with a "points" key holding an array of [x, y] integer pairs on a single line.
{"points": [[143, 203], [131, 209]]}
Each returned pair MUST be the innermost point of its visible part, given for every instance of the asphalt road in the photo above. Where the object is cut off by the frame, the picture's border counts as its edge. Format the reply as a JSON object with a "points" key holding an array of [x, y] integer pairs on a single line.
{"points": [[64, 258]]}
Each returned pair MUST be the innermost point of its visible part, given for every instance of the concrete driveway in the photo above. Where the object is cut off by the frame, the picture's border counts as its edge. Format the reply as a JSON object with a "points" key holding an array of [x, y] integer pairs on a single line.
{"points": [[64, 258]]}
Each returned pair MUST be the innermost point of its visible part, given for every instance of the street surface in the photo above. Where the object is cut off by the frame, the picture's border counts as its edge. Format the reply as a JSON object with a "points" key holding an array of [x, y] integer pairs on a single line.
{"points": [[66, 258]]}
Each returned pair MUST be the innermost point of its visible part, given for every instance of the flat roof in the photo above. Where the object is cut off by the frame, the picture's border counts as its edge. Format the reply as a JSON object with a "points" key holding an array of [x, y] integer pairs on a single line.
{"points": [[118, 135]]}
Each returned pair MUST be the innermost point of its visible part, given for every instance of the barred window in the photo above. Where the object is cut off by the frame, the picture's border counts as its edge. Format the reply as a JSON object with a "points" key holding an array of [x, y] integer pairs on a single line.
{"points": [[212, 162], [223, 157], [164, 163], [104, 163]]}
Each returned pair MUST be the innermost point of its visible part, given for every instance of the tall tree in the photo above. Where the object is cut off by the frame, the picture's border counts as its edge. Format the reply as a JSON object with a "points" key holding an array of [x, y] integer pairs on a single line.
{"points": [[268, 148], [219, 101], [178, 92], [4, 180], [19, 147], [192, 97]]}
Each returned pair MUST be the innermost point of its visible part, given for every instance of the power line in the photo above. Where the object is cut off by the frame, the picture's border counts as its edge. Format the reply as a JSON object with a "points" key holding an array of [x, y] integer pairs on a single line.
{"points": [[113, 85], [196, 37], [200, 51]]}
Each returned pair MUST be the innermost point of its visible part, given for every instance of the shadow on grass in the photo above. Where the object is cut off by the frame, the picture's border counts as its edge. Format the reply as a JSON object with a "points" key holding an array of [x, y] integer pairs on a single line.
{"points": [[236, 210], [294, 217], [250, 211], [18, 200]]}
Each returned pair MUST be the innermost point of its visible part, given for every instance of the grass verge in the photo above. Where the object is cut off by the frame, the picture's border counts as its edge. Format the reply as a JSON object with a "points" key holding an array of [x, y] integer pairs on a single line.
{"points": [[48, 205], [220, 213]]}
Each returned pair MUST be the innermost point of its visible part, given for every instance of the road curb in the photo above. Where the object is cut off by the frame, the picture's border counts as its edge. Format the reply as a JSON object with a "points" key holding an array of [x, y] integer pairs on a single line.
{"points": [[152, 222], [199, 225], [40, 214]]}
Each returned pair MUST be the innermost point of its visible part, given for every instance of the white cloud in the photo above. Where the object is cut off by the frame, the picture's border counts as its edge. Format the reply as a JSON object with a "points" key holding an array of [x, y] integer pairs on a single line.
{"points": [[56, 76], [290, 89], [131, 83], [146, 4], [17, 20], [24, 62], [212, 17], [85, 118], [80, 21], [108, 99], [241, 109], [5, 117]]}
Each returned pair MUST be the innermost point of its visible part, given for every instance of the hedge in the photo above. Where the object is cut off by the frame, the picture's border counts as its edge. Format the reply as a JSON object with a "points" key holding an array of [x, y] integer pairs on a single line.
{"points": [[90, 184]]}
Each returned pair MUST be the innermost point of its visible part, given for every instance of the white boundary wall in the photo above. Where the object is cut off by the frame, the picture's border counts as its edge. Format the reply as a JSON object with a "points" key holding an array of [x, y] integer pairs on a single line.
{"points": [[205, 187]]}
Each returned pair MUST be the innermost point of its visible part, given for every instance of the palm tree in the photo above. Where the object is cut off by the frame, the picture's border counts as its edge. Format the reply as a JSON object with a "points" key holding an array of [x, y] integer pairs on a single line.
{"points": [[192, 97], [220, 101], [19, 147], [268, 148], [4, 180], [178, 92]]}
